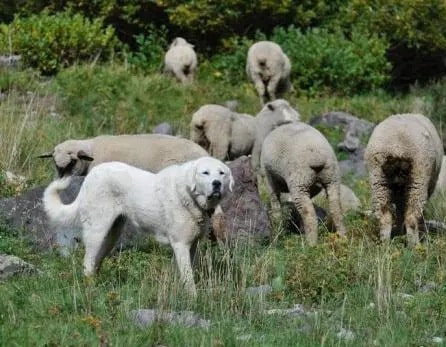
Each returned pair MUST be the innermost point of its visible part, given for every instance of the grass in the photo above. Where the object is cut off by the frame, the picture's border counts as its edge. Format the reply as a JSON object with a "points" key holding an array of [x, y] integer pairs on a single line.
{"points": [[384, 295]]}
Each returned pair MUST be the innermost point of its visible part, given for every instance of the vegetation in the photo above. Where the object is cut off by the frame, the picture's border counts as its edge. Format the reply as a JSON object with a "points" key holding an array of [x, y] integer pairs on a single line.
{"points": [[92, 68]]}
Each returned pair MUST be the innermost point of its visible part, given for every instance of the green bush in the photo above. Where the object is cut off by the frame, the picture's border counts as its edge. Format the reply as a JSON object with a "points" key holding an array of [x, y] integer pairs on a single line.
{"points": [[150, 50], [49, 42], [325, 61]]}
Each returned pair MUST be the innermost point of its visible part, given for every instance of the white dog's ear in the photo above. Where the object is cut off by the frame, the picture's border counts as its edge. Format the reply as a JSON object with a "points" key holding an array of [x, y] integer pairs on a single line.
{"points": [[231, 182]]}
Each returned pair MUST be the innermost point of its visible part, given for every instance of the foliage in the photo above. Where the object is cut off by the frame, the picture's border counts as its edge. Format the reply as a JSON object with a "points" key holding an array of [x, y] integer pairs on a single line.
{"points": [[149, 53], [325, 61], [49, 42], [321, 61]]}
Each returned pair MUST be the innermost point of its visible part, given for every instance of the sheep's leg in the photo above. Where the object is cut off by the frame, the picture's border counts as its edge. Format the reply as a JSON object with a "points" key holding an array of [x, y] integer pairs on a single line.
{"points": [[416, 198], [304, 206], [381, 197], [260, 87], [334, 196], [183, 258], [274, 194], [272, 87]]}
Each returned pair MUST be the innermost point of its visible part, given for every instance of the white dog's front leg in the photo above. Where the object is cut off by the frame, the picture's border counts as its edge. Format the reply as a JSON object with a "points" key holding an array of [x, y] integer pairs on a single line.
{"points": [[182, 256]]}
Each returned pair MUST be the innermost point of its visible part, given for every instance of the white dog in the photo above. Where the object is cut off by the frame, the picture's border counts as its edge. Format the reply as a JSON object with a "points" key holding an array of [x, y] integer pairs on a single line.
{"points": [[174, 205]]}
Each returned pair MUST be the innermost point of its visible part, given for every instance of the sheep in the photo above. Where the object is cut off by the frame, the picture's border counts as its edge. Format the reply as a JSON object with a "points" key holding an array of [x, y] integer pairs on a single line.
{"points": [[181, 60], [151, 152], [229, 135], [269, 68], [403, 158], [297, 159], [441, 183]]}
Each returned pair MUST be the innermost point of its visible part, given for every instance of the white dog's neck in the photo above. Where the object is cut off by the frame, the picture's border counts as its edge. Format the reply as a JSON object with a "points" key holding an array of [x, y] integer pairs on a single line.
{"points": [[202, 203]]}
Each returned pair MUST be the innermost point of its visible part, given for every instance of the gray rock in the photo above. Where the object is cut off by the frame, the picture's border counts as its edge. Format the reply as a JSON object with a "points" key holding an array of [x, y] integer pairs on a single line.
{"points": [[296, 310], [243, 216], [11, 60], [147, 317], [345, 334], [11, 265], [260, 290], [355, 132], [163, 128], [231, 104], [25, 213]]}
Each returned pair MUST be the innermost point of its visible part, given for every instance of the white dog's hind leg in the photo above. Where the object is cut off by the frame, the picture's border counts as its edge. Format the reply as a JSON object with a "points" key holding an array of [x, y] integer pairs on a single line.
{"points": [[182, 256], [99, 240]]}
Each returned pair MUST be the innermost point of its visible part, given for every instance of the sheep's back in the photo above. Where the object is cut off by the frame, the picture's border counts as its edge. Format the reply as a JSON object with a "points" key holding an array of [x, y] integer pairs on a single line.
{"points": [[151, 152]]}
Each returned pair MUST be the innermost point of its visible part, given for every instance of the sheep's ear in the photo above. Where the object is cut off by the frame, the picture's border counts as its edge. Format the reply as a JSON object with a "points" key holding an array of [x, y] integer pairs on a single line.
{"points": [[84, 156], [270, 106], [46, 155]]}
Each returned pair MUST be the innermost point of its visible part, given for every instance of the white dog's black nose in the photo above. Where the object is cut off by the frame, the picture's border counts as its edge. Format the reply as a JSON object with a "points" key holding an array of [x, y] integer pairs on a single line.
{"points": [[216, 184]]}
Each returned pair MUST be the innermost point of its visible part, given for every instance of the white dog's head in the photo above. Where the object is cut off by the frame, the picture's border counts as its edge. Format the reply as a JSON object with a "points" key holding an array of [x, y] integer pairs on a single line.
{"points": [[211, 180]]}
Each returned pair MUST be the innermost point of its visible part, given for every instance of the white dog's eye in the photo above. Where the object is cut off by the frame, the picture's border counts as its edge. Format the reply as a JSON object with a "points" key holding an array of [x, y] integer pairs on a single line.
{"points": [[222, 172], [205, 172]]}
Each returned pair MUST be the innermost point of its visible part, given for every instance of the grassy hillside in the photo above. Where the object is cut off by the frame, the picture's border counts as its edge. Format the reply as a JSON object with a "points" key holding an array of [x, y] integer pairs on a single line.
{"points": [[382, 295]]}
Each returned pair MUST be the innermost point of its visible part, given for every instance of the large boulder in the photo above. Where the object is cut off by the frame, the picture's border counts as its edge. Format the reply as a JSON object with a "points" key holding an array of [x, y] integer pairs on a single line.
{"points": [[355, 132], [243, 216], [11, 265]]}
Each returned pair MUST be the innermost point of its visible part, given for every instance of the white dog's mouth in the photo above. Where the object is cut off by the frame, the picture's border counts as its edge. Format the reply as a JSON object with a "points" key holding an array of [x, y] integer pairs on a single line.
{"points": [[215, 195]]}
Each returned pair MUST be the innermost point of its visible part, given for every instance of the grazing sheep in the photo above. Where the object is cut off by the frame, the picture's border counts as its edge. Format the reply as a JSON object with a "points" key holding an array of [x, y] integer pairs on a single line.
{"points": [[151, 152], [229, 135], [181, 60], [297, 159], [403, 157], [269, 69]]}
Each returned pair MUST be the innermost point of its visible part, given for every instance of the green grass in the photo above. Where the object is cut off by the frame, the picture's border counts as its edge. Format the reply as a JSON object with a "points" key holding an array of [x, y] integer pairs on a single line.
{"points": [[356, 284]]}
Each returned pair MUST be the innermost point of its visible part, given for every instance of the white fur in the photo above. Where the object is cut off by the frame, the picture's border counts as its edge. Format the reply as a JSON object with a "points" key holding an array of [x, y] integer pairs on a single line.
{"points": [[174, 205]]}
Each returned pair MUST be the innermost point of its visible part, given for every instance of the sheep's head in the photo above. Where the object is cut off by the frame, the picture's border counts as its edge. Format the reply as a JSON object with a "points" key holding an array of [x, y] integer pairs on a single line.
{"points": [[71, 158], [279, 112]]}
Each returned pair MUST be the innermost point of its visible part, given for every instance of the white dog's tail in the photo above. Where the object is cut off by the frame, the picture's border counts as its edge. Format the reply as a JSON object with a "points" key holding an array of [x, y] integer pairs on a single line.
{"points": [[58, 213]]}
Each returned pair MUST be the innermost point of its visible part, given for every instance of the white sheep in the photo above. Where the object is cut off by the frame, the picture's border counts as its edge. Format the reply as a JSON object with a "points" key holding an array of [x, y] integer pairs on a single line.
{"points": [[229, 135], [403, 157], [151, 152], [441, 183], [181, 60], [297, 159], [269, 68]]}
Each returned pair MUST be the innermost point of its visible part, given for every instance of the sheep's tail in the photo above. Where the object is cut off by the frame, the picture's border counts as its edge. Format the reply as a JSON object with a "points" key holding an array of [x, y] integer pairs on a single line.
{"points": [[186, 69], [58, 213]]}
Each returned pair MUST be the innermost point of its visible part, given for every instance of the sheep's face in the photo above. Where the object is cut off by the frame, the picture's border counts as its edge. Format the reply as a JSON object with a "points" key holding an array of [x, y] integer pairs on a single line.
{"points": [[279, 112], [70, 162]]}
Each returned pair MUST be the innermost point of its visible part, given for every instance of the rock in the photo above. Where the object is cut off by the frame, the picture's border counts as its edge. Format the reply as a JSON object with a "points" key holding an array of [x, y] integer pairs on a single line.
{"points": [[242, 215], [437, 339], [260, 290], [231, 104], [11, 60], [349, 200], [11, 265], [25, 212], [293, 220], [355, 131], [163, 128], [345, 334], [147, 317], [296, 310]]}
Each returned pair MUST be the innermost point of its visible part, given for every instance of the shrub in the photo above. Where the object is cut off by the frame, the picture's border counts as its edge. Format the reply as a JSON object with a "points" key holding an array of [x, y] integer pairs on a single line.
{"points": [[326, 61], [150, 50], [49, 42]]}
